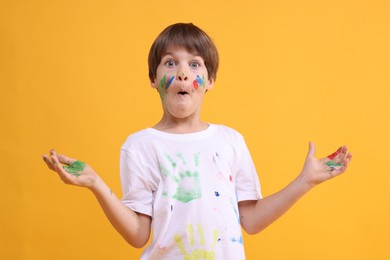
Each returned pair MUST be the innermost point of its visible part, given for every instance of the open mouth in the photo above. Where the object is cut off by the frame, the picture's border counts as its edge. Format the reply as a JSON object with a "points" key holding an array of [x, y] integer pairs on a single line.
{"points": [[182, 93]]}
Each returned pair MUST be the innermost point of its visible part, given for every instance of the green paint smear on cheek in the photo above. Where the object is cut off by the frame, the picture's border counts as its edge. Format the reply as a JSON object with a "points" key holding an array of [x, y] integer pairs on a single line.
{"points": [[75, 168], [162, 87]]}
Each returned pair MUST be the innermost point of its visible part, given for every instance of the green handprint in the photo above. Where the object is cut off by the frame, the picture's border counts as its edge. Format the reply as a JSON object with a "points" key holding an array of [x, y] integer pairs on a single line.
{"points": [[188, 182], [188, 186], [197, 253]]}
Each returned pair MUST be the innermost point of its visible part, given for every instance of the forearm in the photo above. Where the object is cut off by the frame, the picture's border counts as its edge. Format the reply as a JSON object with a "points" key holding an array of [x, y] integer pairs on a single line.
{"points": [[134, 228], [257, 215]]}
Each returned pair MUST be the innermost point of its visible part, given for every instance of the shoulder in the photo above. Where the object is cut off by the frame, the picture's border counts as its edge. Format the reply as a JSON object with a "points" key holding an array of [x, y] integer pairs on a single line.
{"points": [[136, 139], [228, 132]]}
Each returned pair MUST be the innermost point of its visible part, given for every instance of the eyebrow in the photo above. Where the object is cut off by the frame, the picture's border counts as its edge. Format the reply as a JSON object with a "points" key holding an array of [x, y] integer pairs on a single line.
{"points": [[195, 54]]}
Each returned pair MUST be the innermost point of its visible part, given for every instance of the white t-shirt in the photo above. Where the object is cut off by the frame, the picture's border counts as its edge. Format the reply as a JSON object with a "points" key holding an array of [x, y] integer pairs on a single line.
{"points": [[190, 185]]}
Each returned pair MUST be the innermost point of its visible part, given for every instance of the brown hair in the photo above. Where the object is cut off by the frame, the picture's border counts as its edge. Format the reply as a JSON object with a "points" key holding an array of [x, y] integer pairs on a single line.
{"points": [[189, 36]]}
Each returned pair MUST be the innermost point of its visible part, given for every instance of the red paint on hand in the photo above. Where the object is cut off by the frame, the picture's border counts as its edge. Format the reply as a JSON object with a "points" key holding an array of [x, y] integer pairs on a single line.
{"points": [[333, 155]]}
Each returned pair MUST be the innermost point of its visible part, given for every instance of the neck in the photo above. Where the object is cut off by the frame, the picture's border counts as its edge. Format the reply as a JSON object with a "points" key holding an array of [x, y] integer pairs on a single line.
{"points": [[180, 125]]}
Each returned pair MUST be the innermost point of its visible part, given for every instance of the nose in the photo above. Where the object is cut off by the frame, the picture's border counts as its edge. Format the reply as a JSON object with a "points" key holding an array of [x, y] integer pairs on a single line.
{"points": [[181, 76]]}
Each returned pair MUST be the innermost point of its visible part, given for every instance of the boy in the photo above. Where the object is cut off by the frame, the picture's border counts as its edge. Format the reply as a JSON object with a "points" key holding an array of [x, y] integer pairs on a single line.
{"points": [[193, 183]]}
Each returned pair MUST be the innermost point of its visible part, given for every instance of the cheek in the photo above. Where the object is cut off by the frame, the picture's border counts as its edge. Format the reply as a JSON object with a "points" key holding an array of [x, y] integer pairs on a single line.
{"points": [[169, 81], [164, 83], [196, 85], [199, 81]]}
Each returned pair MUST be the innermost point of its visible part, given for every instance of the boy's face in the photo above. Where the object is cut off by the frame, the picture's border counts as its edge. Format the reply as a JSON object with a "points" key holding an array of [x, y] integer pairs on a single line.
{"points": [[181, 81]]}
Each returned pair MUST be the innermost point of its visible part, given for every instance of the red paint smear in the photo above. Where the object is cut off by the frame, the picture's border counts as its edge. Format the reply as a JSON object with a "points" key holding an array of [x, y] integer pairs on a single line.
{"points": [[333, 155], [230, 178], [196, 84]]}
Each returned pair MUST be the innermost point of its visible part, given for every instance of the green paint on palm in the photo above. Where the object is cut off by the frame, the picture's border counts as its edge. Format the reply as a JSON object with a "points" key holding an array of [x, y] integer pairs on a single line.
{"points": [[333, 164], [75, 168]]}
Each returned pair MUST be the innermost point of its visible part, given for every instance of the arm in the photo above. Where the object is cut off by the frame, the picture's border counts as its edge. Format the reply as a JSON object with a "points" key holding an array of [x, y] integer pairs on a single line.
{"points": [[257, 215], [133, 227]]}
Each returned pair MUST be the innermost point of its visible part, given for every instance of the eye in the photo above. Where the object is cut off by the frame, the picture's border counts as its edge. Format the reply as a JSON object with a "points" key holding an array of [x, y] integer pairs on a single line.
{"points": [[194, 64], [170, 63]]}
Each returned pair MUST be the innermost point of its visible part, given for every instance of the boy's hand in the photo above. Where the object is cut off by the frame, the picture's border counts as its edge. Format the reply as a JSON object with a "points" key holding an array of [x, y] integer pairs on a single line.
{"points": [[316, 171], [71, 171]]}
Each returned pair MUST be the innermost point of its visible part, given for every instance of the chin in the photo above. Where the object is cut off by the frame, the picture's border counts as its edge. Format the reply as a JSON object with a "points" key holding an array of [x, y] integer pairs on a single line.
{"points": [[182, 115]]}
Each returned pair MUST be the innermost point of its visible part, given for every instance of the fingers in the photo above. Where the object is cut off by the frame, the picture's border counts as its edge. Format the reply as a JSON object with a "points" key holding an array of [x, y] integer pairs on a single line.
{"points": [[70, 171], [335, 154], [56, 158], [342, 165], [47, 160], [346, 161], [51, 160], [55, 163], [312, 150], [65, 160], [339, 155]]}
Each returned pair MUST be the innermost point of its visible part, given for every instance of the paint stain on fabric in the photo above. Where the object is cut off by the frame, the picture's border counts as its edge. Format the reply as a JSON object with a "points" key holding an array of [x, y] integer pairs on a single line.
{"points": [[188, 186], [216, 193], [235, 210], [193, 252], [196, 159], [173, 163], [187, 181], [218, 164], [75, 168], [164, 171], [237, 240], [190, 230], [201, 234], [180, 156], [161, 247]]}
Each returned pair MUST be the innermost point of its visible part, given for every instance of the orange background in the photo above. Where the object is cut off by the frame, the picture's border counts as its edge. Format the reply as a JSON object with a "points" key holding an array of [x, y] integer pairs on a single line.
{"points": [[73, 76]]}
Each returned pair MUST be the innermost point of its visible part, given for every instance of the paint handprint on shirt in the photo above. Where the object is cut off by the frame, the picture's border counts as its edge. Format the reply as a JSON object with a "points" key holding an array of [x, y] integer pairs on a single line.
{"points": [[187, 180], [197, 249]]}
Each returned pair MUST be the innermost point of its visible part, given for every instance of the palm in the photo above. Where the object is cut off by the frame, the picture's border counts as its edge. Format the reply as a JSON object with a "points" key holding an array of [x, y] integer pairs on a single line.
{"points": [[316, 171], [71, 171]]}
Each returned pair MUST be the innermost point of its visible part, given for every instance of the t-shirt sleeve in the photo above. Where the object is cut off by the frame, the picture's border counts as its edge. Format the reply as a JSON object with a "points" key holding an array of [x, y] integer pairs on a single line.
{"points": [[247, 180], [137, 186]]}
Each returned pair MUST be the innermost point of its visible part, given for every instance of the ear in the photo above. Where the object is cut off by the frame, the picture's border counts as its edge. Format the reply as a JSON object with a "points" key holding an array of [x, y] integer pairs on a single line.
{"points": [[153, 83], [210, 84]]}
